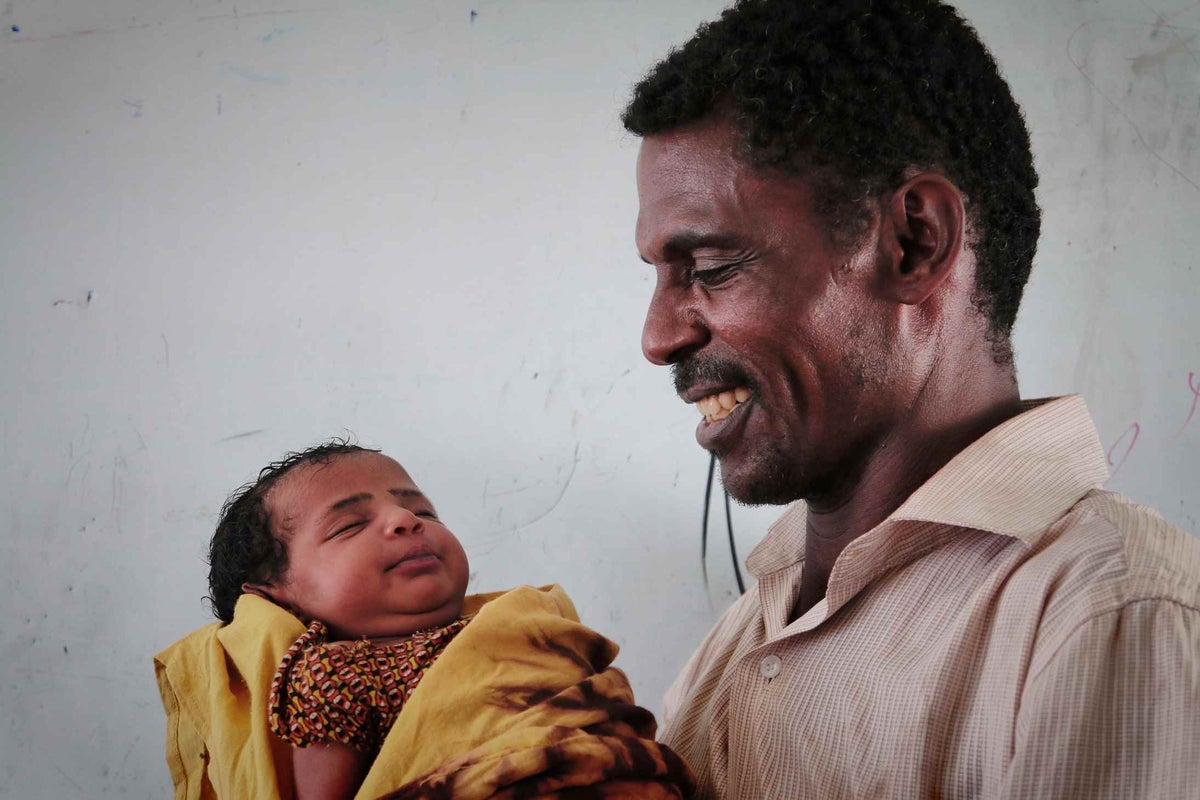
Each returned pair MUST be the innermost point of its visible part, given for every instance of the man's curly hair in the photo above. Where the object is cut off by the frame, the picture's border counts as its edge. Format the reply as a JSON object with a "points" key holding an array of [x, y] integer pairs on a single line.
{"points": [[854, 93], [244, 549]]}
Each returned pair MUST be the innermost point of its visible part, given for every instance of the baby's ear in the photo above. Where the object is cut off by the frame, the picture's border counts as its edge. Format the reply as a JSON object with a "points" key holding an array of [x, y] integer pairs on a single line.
{"points": [[275, 592], [268, 591], [263, 590]]}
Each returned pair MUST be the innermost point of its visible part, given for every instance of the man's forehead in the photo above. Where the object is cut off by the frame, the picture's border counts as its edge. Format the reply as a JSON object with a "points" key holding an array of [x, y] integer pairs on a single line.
{"points": [[690, 157], [692, 185], [680, 175]]}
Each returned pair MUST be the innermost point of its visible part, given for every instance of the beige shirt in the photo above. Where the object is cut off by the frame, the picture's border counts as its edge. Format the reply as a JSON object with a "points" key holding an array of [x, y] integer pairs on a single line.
{"points": [[1012, 630]]}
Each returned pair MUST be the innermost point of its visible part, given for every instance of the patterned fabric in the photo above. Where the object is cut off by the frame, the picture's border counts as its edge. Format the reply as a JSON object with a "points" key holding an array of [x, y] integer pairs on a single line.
{"points": [[587, 741], [525, 704], [1011, 631], [349, 692]]}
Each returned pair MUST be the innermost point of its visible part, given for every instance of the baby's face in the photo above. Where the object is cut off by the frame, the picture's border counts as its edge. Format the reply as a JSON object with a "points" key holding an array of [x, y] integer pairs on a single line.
{"points": [[367, 554]]}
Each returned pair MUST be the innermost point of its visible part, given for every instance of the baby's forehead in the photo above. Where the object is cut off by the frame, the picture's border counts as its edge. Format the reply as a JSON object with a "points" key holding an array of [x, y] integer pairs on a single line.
{"points": [[311, 487], [362, 464]]}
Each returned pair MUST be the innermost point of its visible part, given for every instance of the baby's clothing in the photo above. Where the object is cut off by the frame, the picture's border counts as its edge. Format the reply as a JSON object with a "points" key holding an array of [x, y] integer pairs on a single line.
{"points": [[350, 692], [523, 702]]}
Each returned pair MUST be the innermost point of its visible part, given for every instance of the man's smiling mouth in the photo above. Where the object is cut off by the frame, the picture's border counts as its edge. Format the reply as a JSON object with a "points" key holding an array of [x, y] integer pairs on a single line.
{"points": [[718, 406]]}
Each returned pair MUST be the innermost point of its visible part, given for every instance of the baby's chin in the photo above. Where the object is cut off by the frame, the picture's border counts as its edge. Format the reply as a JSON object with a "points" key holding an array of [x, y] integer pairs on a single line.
{"points": [[401, 626]]}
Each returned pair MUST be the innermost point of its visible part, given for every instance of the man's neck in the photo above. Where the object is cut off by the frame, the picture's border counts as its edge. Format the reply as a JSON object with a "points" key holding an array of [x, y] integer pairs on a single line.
{"points": [[909, 457]]}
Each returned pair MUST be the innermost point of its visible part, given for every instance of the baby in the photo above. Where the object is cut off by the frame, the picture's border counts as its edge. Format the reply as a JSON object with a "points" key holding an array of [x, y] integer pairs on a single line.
{"points": [[344, 539]]}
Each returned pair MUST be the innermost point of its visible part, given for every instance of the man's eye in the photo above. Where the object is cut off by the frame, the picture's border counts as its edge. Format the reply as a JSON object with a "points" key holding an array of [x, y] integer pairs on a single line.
{"points": [[427, 514], [714, 276]]}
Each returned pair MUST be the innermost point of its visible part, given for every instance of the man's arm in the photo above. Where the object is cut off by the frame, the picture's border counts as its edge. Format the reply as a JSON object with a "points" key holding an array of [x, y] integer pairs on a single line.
{"points": [[331, 771], [1115, 713]]}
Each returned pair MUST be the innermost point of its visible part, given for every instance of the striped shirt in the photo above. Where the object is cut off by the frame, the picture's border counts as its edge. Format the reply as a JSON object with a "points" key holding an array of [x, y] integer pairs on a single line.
{"points": [[1011, 631]]}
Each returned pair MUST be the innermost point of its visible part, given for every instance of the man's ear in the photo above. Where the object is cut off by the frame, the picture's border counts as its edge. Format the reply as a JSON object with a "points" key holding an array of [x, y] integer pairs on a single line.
{"points": [[924, 225]]}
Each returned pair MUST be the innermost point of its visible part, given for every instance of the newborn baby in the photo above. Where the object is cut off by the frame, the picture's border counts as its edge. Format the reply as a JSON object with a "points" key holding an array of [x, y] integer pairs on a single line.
{"points": [[344, 539]]}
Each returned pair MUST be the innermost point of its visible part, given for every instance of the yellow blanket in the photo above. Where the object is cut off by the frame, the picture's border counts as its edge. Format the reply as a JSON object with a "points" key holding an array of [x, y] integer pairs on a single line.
{"points": [[523, 703]]}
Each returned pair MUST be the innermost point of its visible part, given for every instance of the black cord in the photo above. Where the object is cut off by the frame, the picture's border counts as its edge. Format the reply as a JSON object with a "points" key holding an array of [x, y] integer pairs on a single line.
{"points": [[737, 571], [712, 468]]}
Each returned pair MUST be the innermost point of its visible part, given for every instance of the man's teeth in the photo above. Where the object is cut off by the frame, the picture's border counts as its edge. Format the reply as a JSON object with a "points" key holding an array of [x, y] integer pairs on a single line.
{"points": [[719, 406]]}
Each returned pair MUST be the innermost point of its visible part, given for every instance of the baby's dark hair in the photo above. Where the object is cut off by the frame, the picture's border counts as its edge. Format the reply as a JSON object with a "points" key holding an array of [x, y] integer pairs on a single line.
{"points": [[243, 548]]}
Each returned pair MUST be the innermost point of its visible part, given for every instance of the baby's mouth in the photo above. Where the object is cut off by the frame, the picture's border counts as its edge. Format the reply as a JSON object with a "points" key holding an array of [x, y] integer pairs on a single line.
{"points": [[720, 405], [416, 555]]}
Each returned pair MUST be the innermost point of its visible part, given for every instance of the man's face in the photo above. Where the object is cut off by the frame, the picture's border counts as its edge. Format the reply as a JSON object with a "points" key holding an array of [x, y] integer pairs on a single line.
{"points": [[755, 301]]}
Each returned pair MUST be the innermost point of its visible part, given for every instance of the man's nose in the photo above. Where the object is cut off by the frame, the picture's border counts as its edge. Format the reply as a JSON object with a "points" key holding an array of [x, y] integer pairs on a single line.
{"points": [[402, 522], [672, 329]]}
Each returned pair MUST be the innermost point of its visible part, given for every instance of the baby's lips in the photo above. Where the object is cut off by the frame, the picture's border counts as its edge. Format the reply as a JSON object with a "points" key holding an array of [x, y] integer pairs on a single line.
{"points": [[420, 551]]}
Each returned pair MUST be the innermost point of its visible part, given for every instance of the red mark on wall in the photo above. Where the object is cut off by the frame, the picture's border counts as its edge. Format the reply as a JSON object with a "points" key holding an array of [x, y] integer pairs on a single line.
{"points": [[1194, 385], [1123, 446]]}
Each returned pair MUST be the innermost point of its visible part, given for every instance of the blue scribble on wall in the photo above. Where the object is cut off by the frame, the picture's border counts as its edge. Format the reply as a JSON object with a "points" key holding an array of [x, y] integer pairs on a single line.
{"points": [[273, 34], [16, 28], [256, 77]]}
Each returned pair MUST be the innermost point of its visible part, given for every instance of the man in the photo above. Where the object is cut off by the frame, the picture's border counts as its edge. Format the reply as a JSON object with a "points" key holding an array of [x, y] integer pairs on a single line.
{"points": [[837, 197]]}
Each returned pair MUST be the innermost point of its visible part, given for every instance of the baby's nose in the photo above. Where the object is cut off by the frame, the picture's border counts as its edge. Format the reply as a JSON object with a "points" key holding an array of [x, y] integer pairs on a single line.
{"points": [[405, 522]]}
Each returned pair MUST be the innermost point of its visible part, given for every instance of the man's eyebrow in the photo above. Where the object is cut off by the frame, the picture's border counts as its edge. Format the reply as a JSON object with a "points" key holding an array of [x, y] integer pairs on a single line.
{"points": [[406, 493], [685, 242]]}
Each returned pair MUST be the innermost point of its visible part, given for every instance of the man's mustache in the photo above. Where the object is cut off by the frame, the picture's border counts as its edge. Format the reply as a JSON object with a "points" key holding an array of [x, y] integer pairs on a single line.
{"points": [[696, 370]]}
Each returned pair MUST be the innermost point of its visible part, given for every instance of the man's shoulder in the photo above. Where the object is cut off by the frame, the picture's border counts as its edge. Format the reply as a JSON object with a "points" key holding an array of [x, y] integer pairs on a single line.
{"points": [[1159, 559], [1106, 554]]}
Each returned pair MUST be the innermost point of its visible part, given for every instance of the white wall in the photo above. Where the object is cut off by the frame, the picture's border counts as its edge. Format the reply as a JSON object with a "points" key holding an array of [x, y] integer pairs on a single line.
{"points": [[230, 230]]}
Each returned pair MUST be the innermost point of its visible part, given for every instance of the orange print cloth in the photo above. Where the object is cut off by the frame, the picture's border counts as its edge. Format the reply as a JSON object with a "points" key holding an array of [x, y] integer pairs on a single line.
{"points": [[350, 692]]}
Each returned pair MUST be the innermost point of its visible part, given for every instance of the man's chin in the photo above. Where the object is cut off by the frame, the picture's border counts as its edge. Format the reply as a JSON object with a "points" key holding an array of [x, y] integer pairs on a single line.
{"points": [[758, 484]]}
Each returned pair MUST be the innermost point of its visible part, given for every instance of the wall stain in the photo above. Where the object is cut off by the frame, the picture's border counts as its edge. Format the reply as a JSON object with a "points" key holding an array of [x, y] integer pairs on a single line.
{"points": [[244, 435]]}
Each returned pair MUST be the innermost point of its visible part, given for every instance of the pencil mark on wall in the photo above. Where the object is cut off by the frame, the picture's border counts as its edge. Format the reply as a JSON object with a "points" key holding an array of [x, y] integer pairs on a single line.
{"points": [[136, 105], [117, 465], [515, 490], [70, 780], [82, 302], [166, 351], [474, 14], [1163, 21], [75, 463], [1162, 24], [561, 492], [1129, 439], [617, 380], [244, 435], [129, 752], [1140, 64]]}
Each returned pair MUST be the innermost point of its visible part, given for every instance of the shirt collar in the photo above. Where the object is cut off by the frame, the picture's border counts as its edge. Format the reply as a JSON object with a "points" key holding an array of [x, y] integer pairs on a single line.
{"points": [[1015, 480]]}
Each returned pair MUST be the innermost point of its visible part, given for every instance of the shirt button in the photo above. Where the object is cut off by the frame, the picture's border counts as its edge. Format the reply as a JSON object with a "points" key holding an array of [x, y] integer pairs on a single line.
{"points": [[770, 666]]}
